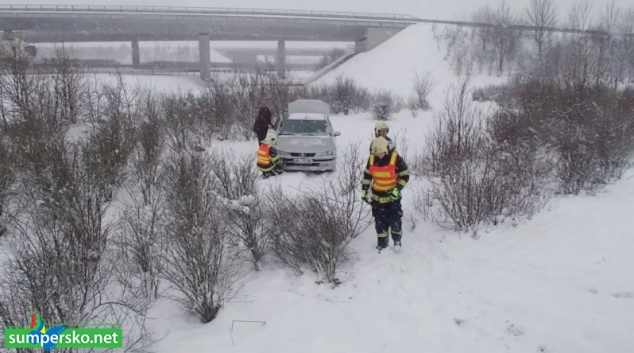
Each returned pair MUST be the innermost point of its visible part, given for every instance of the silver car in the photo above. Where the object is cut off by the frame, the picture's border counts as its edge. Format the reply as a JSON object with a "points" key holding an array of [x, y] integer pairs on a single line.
{"points": [[306, 142]]}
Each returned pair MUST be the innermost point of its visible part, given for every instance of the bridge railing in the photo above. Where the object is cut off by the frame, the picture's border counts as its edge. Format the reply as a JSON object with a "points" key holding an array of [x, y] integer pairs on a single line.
{"points": [[206, 10]]}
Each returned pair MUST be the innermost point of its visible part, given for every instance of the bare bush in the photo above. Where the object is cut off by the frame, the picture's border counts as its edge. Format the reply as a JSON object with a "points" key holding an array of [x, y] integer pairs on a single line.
{"points": [[249, 93], [313, 228], [586, 128], [61, 265], [141, 243], [455, 136], [180, 126], [476, 180], [107, 151], [146, 158], [7, 178], [197, 265], [401, 143], [69, 85], [342, 95], [422, 87], [384, 104], [249, 228]]}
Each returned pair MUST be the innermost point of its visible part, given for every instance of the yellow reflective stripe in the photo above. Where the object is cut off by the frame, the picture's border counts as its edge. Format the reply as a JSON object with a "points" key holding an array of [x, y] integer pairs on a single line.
{"points": [[366, 182], [378, 199], [402, 182], [276, 158], [393, 159], [367, 171], [381, 174], [382, 235], [371, 159], [266, 169], [383, 187], [403, 173], [398, 232]]}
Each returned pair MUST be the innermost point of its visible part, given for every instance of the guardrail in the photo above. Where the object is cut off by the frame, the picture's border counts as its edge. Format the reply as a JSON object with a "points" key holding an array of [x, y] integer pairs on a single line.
{"points": [[280, 13], [179, 10]]}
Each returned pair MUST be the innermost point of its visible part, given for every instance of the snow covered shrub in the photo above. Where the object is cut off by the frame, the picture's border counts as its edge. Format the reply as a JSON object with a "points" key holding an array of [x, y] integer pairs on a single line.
{"points": [[107, 151], [384, 104], [342, 94], [61, 261], [588, 128], [141, 242], [313, 228], [146, 158], [249, 228], [422, 86], [248, 93], [196, 262], [181, 128], [475, 180], [6, 179]]}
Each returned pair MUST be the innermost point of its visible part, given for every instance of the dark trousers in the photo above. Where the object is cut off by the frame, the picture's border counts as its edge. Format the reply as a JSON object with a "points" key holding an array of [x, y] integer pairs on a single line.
{"points": [[388, 219], [261, 136]]}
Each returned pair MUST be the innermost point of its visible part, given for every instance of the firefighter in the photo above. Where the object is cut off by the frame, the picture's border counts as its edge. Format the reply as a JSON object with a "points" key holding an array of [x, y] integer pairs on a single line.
{"points": [[387, 174], [382, 129], [269, 162]]}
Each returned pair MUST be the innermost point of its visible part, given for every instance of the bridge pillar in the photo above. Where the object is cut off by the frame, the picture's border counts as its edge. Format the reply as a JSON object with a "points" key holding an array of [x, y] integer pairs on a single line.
{"points": [[136, 57], [280, 61], [204, 53]]}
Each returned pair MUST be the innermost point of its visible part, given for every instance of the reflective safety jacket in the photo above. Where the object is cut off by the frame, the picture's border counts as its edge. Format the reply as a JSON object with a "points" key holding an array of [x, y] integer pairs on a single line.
{"points": [[385, 174], [267, 157]]}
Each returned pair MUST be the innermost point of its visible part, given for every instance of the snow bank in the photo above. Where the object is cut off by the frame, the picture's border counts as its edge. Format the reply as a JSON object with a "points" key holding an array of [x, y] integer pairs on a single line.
{"points": [[392, 65]]}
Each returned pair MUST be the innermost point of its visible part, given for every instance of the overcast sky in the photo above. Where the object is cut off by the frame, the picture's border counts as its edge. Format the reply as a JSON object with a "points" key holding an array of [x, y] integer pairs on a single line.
{"points": [[430, 9]]}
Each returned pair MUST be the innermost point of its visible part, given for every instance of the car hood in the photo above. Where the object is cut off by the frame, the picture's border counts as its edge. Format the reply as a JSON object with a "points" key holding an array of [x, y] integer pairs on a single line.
{"points": [[305, 144]]}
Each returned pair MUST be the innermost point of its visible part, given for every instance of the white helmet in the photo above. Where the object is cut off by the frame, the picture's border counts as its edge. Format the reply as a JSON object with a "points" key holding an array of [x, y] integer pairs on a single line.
{"points": [[380, 125], [271, 138]]}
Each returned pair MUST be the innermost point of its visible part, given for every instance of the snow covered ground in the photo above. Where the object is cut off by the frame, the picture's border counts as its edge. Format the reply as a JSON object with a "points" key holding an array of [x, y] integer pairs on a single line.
{"points": [[561, 282]]}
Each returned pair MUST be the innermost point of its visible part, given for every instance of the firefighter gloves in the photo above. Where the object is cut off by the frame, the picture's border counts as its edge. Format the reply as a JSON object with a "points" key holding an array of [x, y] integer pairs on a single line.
{"points": [[395, 194]]}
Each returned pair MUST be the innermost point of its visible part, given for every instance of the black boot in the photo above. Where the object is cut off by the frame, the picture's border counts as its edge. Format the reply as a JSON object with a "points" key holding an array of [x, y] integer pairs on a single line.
{"points": [[396, 238], [383, 242]]}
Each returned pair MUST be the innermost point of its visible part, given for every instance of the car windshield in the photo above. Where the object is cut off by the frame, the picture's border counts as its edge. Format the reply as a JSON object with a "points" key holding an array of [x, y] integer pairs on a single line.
{"points": [[305, 127]]}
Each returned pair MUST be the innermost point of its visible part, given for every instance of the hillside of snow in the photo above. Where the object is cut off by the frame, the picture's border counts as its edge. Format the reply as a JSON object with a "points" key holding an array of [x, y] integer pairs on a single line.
{"points": [[393, 64]]}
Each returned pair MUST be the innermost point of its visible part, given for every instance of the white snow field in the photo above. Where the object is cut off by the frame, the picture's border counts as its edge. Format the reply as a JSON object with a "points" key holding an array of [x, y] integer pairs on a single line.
{"points": [[393, 64], [561, 282]]}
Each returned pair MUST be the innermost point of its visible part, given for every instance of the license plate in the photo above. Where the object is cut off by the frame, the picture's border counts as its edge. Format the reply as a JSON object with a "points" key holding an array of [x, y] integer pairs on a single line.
{"points": [[302, 161]]}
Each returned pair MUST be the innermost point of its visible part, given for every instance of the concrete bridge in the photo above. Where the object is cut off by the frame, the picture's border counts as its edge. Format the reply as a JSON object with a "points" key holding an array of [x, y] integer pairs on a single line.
{"points": [[92, 23]]}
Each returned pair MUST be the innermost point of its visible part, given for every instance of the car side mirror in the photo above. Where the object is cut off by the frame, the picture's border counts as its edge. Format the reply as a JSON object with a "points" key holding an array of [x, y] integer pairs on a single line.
{"points": [[336, 133]]}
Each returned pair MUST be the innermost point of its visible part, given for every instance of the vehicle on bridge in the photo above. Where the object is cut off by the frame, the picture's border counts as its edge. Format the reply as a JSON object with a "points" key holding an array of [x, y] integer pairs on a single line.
{"points": [[306, 139]]}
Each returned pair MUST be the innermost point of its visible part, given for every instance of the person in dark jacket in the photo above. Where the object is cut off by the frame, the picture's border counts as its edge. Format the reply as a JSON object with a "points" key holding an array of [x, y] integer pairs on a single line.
{"points": [[262, 124], [387, 174]]}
